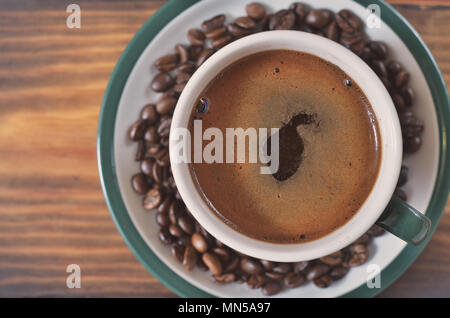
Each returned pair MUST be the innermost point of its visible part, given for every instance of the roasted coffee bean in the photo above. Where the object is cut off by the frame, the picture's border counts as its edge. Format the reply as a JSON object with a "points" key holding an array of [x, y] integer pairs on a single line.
{"points": [[157, 173], [274, 276], [137, 130], [221, 42], [194, 52], [232, 264], [333, 259], [316, 271], [245, 22], [318, 18], [282, 20], [183, 53], [256, 281], [152, 199], [410, 124], [282, 268], [185, 223], [217, 33], [300, 10], [196, 37], [167, 62], [151, 135], [363, 239], [338, 272], [199, 242], [164, 127], [268, 265], [412, 144], [190, 258], [140, 152], [402, 78], [379, 67], [223, 254], [376, 230], [394, 67], [176, 210], [262, 25], [186, 68], [149, 115], [403, 177], [408, 95], [350, 39], [213, 263], [293, 280], [401, 194], [255, 10], [162, 157], [213, 23], [175, 230], [162, 82], [139, 183], [164, 236], [323, 281], [179, 87], [365, 54], [300, 266], [399, 102], [348, 22], [333, 31], [359, 255], [184, 240], [177, 252], [146, 167], [162, 219], [271, 288], [166, 105], [224, 279], [237, 31], [379, 49], [204, 55], [153, 149], [250, 266], [164, 206]]}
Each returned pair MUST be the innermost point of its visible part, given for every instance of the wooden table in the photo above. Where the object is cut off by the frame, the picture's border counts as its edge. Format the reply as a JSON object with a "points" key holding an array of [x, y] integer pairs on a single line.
{"points": [[52, 211]]}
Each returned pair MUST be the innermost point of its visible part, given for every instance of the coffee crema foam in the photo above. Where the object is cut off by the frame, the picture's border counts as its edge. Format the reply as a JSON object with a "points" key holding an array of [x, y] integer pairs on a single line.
{"points": [[341, 148]]}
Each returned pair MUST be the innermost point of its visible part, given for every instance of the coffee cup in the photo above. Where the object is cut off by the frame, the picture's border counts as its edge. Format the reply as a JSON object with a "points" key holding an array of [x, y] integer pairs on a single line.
{"points": [[381, 206]]}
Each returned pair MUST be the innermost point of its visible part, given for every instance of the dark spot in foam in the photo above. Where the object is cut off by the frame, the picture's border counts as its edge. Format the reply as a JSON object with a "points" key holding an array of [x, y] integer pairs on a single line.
{"points": [[277, 70]]}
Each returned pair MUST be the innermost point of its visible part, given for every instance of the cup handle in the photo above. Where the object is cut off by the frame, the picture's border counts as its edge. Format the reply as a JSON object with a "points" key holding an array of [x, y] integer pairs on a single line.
{"points": [[405, 222]]}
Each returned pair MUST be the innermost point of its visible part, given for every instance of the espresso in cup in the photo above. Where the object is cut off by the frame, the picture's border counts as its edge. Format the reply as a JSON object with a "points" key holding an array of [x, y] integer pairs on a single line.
{"points": [[329, 146]]}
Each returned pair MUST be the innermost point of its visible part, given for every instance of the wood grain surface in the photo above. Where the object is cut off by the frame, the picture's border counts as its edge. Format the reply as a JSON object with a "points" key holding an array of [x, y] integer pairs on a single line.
{"points": [[52, 211]]}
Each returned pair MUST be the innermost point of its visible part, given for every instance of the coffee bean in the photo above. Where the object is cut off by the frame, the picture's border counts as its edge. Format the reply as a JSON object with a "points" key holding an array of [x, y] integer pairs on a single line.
{"points": [[379, 49], [199, 242], [237, 31], [213, 23], [399, 102], [224, 279], [151, 135], [213, 263], [149, 115], [139, 183], [408, 95], [153, 149], [164, 236], [401, 194], [333, 259], [175, 230], [137, 130], [274, 276], [268, 265], [411, 126], [232, 264], [190, 258], [140, 153], [250, 266], [255, 10], [401, 79], [157, 173], [318, 18], [376, 230], [300, 10], [165, 204], [162, 219], [166, 105], [323, 281], [194, 52], [348, 22], [162, 82], [412, 144], [363, 239], [204, 55], [223, 254], [293, 280], [403, 177], [338, 272], [300, 266], [177, 252], [217, 33], [282, 268], [359, 255], [245, 22], [186, 68], [379, 67], [183, 53], [282, 20], [184, 240], [316, 271], [152, 199], [167, 62], [333, 31], [394, 67], [164, 127], [185, 223], [176, 210], [146, 167], [255, 281], [179, 87], [196, 37], [271, 288], [221, 42]]}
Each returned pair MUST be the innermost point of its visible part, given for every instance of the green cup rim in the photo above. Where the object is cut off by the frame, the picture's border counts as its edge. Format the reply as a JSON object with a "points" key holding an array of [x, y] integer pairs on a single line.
{"points": [[106, 162]]}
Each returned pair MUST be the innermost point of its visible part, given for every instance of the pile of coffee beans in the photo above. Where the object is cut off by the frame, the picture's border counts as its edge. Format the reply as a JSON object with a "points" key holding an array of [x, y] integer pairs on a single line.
{"points": [[190, 244]]}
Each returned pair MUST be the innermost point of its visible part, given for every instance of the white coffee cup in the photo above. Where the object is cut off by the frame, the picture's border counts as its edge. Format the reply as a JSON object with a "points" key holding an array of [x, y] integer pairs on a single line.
{"points": [[391, 154]]}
